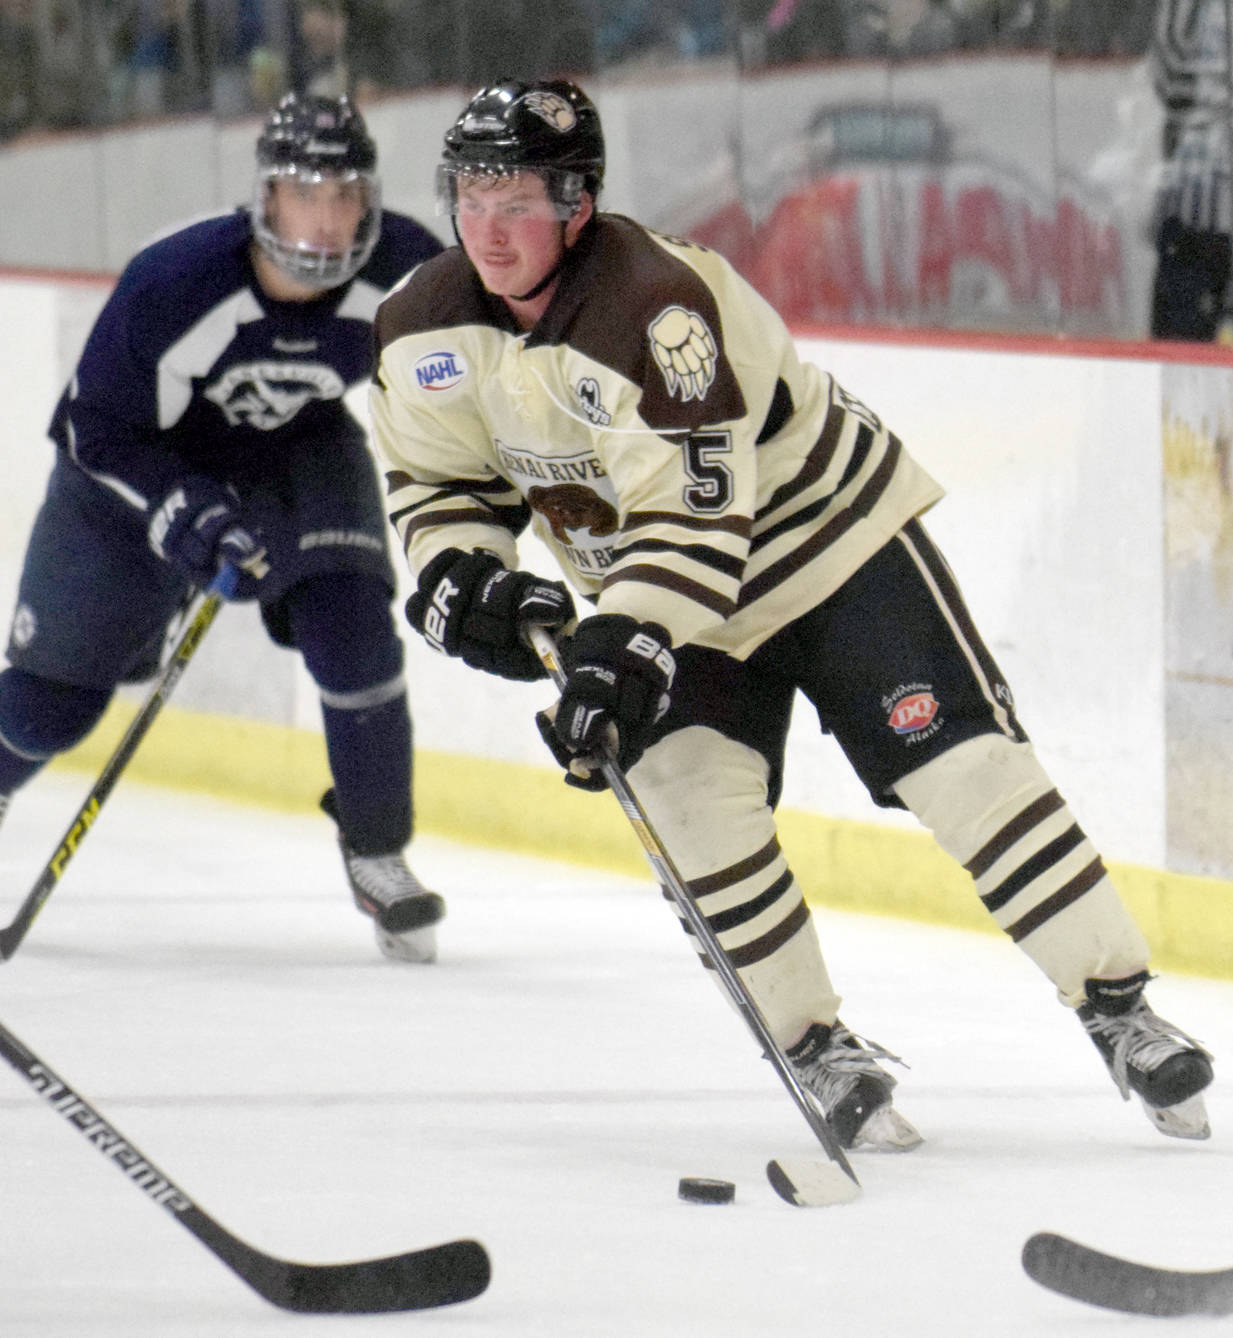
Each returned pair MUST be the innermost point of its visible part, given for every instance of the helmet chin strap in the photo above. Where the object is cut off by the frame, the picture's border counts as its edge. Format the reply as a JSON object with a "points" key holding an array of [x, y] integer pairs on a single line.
{"points": [[542, 284]]}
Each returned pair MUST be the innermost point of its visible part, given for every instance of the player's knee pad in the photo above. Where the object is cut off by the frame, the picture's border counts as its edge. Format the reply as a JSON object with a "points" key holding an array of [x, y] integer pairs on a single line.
{"points": [[40, 717], [343, 628], [993, 807], [972, 791], [706, 797]]}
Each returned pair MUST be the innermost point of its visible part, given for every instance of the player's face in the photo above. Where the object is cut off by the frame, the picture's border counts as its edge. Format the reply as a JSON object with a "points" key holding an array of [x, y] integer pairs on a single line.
{"points": [[511, 231], [320, 213]]}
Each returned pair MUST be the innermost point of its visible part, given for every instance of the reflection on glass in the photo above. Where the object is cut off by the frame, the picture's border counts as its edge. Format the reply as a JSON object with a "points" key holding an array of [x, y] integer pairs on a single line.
{"points": [[912, 162]]}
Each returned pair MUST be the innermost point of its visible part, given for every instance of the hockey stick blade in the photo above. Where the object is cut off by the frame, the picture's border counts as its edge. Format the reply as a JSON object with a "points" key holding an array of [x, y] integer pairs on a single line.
{"points": [[1104, 1280], [439, 1275], [810, 1183]]}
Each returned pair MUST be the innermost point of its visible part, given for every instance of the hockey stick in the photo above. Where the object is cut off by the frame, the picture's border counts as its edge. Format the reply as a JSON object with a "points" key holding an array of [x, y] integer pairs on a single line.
{"points": [[803, 1183], [439, 1275], [13, 933], [1104, 1280]]}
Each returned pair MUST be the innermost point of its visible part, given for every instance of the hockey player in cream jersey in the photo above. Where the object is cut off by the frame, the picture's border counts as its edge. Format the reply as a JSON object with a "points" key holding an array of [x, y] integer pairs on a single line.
{"points": [[745, 530]]}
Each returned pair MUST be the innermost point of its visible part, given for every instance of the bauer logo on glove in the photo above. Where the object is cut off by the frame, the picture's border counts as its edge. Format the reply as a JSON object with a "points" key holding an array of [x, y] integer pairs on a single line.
{"points": [[472, 606]]}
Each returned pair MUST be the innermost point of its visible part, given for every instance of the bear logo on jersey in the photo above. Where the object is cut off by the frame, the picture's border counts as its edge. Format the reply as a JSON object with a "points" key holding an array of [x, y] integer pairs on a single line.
{"points": [[268, 395], [571, 506], [685, 350], [553, 108]]}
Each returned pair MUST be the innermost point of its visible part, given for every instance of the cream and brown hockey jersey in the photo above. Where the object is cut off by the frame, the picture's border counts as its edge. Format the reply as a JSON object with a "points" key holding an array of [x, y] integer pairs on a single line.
{"points": [[656, 429]]}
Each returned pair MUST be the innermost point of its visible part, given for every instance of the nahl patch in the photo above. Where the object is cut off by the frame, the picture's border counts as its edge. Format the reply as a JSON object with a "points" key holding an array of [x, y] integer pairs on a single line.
{"points": [[440, 371], [685, 350]]}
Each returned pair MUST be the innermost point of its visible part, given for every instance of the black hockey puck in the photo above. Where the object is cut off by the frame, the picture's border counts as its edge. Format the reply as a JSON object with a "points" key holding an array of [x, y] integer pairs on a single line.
{"points": [[695, 1190]]}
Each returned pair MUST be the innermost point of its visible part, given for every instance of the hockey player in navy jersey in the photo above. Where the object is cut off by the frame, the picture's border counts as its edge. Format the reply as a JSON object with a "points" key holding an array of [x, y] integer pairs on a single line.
{"points": [[744, 530], [205, 424]]}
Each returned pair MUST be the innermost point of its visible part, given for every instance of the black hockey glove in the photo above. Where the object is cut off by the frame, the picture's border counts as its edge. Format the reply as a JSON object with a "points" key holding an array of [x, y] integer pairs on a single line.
{"points": [[198, 527], [471, 606], [618, 672]]}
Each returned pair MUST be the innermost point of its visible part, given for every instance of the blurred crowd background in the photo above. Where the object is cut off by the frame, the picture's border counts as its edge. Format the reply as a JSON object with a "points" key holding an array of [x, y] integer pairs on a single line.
{"points": [[68, 64]]}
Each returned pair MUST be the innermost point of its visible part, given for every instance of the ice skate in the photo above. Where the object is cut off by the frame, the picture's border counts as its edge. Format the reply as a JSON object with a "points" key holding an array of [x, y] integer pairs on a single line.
{"points": [[1144, 1054], [405, 913], [853, 1088]]}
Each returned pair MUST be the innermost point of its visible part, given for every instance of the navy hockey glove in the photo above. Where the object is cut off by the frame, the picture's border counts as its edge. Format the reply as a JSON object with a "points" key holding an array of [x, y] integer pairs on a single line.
{"points": [[471, 606], [198, 527], [618, 672]]}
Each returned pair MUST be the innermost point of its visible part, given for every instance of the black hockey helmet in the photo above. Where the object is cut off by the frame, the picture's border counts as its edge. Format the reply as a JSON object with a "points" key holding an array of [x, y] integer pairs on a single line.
{"points": [[310, 138], [549, 127], [316, 134]]}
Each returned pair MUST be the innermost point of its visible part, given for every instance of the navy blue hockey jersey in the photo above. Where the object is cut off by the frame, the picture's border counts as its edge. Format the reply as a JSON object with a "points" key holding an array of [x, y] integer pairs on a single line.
{"points": [[191, 368]]}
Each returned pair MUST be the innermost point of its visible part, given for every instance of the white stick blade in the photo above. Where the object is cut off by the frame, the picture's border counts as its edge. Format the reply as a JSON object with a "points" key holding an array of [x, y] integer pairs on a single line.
{"points": [[807, 1182]]}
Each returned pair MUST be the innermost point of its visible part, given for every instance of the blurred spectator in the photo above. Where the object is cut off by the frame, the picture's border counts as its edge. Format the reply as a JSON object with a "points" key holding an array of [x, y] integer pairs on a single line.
{"points": [[1194, 212], [317, 60], [528, 39], [67, 85], [165, 60], [776, 32], [18, 68], [627, 30], [243, 53], [923, 27], [1104, 27], [391, 44]]}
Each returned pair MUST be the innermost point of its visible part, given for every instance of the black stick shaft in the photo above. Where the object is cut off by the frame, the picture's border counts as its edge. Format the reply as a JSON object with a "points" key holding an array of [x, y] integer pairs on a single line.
{"points": [[12, 934], [665, 868]]}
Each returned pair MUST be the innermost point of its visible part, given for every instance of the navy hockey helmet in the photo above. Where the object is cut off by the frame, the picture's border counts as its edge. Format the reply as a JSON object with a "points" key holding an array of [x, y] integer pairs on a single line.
{"points": [[312, 139], [551, 128]]}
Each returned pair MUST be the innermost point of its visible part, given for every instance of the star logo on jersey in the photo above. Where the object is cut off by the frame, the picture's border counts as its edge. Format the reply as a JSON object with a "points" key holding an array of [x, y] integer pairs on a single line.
{"points": [[268, 395], [553, 108], [685, 350]]}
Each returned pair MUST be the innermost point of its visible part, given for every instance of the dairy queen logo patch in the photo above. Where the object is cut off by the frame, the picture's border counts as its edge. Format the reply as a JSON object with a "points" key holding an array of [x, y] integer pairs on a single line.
{"points": [[913, 713], [440, 371]]}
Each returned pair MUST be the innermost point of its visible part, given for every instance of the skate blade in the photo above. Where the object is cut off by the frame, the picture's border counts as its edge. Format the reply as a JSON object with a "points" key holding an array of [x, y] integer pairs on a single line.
{"points": [[887, 1131], [1188, 1119], [414, 945], [807, 1182]]}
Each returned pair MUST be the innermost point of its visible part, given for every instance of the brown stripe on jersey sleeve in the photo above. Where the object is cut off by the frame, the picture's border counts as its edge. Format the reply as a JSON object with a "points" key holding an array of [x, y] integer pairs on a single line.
{"points": [[664, 578], [818, 542], [725, 563], [738, 525], [512, 518], [396, 479], [816, 462]]}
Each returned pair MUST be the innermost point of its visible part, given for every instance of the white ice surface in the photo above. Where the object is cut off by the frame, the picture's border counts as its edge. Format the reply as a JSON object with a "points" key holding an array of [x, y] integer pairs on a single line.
{"points": [[201, 976]]}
